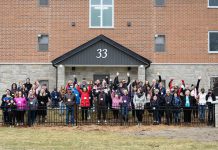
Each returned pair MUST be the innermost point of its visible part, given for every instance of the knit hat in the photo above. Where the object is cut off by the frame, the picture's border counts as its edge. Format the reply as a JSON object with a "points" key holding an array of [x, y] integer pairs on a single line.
{"points": [[183, 82]]}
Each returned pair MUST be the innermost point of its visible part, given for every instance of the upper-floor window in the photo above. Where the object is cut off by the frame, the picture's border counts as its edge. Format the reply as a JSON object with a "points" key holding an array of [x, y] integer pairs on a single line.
{"points": [[43, 2], [159, 43], [213, 3], [101, 14], [43, 42], [213, 41], [159, 2]]}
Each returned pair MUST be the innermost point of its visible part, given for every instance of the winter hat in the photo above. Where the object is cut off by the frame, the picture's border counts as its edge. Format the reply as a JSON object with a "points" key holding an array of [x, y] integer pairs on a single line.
{"points": [[183, 82]]}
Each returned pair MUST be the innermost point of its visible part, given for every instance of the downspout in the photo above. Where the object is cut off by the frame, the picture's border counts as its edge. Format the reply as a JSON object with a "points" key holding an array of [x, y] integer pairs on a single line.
{"points": [[56, 68], [149, 64]]}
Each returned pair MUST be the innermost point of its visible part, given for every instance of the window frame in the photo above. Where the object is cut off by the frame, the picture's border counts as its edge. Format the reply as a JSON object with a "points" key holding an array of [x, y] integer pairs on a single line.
{"points": [[211, 52], [101, 20], [42, 34], [42, 5], [156, 36], [208, 5]]}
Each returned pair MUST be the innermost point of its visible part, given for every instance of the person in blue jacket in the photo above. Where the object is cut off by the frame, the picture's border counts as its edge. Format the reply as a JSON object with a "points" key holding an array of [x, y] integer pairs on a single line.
{"points": [[55, 97]]}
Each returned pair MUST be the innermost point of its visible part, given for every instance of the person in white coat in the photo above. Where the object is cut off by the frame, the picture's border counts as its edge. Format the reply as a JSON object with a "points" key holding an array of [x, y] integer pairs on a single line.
{"points": [[139, 103]]}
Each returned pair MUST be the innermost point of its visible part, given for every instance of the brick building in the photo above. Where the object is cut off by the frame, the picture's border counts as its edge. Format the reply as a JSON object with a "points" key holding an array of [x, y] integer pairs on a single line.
{"points": [[51, 40]]}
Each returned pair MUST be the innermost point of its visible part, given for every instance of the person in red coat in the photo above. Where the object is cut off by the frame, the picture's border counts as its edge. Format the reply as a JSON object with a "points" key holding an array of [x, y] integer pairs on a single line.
{"points": [[85, 100]]}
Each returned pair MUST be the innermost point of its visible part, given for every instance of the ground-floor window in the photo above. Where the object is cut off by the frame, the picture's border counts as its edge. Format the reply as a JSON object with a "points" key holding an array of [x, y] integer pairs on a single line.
{"points": [[214, 85]]}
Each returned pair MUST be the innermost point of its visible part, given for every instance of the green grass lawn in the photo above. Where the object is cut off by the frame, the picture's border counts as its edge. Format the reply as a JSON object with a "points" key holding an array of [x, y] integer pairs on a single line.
{"points": [[75, 138]]}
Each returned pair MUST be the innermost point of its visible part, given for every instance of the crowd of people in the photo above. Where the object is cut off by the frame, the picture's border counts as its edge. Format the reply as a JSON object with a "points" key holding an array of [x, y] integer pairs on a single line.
{"points": [[120, 97]]}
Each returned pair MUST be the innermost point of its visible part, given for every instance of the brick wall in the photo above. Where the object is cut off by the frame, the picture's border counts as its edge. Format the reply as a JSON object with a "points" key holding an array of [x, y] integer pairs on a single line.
{"points": [[185, 24]]}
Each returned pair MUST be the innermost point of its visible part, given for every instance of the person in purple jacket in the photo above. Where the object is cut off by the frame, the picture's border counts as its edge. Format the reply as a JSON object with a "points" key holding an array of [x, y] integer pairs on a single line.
{"points": [[125, 105], [21, 104]]}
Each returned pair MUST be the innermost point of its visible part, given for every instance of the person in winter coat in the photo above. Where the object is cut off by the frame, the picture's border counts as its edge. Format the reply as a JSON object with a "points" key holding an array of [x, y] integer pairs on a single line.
{"points": [[139, 103], [125, 106], [102, 104], [148, 96], [32, 105], [21, 104], [13, 89], [55, 98], [176, 108], [11, 108], [210, 97], [123, 84], [194, 94], [28, 85], [161, 105], [202, 104], [61, 102], [6, 98], [85, 101], [69, 100], [42, 105], [116, 100], [155, 109], [132, 93], [24, 91], [187, 104], [168, 107], [77, 95]]}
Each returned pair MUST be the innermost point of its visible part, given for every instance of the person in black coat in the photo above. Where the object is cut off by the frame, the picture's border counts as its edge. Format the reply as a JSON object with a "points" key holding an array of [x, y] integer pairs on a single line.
{"points": [[210, 97], [101, 104], [42, 105], [155, 108], [187, 104], [28, 85], [168, 98]]}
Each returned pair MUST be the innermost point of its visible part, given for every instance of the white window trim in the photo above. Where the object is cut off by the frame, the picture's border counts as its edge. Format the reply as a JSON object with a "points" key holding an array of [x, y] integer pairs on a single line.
{"points": [[101, 27], [208, 43], [208, 6]]}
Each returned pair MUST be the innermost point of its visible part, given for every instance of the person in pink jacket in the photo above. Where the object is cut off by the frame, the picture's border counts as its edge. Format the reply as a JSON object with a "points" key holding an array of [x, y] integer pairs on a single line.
{"points": [[21, 104], [116, 100]]}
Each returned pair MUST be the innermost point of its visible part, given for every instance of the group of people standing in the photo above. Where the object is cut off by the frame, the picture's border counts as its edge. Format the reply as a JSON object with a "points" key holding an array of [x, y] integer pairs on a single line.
{"points": [[22, 98], [120, 97]]}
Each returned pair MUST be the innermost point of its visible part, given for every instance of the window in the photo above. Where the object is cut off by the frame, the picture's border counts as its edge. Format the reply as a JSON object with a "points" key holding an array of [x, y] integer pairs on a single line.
{"points": [[101, 14], [214, 85], [213, 3], [213, 41], [42, 42], [159, 2], [100, 77], [43, 2], [159, 43], [44, 82]]}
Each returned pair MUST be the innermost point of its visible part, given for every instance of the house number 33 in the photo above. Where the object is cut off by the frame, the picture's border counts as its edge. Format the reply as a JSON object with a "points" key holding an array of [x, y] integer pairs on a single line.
{"points": [[102, 53]]}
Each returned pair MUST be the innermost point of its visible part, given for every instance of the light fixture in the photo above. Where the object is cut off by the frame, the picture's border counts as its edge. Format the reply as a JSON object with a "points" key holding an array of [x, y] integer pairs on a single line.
{"points": [[60, 66]]}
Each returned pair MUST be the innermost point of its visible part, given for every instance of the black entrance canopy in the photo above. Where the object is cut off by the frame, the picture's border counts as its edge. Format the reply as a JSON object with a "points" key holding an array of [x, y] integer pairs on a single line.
{"points": [[101, 51]]}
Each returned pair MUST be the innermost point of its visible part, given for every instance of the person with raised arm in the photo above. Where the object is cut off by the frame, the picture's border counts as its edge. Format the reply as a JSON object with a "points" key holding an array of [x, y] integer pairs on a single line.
{"points": [[195, 95], [85, 102]]}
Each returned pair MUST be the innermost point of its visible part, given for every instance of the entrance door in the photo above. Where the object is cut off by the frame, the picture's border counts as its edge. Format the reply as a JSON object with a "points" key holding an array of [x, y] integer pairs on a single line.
{"points": [[214, 85], [100, 77]]}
